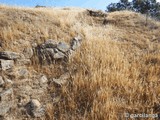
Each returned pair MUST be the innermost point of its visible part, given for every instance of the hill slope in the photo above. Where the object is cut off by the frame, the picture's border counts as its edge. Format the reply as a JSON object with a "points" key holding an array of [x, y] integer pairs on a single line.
{"points": [[116, 70]]}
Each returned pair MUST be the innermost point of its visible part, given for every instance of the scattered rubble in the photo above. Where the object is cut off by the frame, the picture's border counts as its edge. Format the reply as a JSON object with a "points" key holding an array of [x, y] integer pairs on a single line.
{"points": [[52, 50], [21, 89]]}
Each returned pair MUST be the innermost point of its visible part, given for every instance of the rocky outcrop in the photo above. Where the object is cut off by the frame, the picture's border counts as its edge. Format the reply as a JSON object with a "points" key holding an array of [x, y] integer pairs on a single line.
{"points": [[53, 50], [25, 91]]}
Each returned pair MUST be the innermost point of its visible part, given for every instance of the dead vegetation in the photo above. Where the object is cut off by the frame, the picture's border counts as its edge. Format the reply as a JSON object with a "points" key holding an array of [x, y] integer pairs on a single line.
{"points": [[116, 70]]}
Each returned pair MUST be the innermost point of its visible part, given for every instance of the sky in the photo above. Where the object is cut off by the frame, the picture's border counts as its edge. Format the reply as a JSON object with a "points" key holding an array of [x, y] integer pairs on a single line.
{"points": [[95, 4]]}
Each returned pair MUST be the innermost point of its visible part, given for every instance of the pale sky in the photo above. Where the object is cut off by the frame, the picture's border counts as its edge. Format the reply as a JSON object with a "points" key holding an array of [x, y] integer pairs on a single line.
{"points": [[95, 4]]}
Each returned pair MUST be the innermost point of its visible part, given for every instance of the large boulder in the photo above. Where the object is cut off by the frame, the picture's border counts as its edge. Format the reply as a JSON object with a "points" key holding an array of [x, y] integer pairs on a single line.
{"points": [[8, 55], [6, 64]]}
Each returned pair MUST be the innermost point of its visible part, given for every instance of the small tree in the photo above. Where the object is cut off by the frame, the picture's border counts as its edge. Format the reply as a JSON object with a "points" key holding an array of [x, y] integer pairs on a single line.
{"points": [[122, 5]]}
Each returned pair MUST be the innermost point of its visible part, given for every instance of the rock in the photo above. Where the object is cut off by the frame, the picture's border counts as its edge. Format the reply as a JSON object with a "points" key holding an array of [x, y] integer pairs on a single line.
{"points": [[34, 45], [70, 52], [51, 43], [1, 81], [39, 113], [9, 82], [35, 104], [22, 72], [59, 82], [50, 52], [6, 64], [75, 43], [62, 80], [23, 61], [35, 109], [43, 80], [59, 55], [6, 95], [63, 47], [28, 53], [6, 102], [8, 55], [4, 108]]}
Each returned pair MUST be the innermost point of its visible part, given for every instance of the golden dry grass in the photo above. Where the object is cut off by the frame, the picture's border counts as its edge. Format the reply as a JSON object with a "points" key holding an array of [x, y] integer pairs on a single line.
{"points": [[116, 70]]}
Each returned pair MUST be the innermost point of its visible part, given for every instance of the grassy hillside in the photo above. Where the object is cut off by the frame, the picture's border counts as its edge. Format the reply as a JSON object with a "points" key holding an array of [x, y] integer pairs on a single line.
{"points": [[115, 71]]}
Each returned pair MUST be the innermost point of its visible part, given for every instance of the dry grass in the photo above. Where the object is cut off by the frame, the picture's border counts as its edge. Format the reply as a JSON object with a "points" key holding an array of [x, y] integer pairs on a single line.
{"points": [[116, 71]]}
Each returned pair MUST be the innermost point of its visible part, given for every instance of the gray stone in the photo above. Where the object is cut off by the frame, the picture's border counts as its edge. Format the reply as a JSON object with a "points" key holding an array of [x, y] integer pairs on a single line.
{"points": [[62, 46], [8, 55], [35, 109], [6, 95], [28, 53], [35, 104], [39, 113], [6, 101], [1, 81], [6, 64], [34, 45], [4, 108], [23, 61], [9, 82], [49, 51], [62, 80], [59, 82], [43, 80], [51, 43], [22, 72], [59, 55], [75, 43]]}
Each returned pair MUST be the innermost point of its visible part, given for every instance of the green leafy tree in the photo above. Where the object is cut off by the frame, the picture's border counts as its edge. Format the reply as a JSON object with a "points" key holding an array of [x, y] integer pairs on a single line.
{"points": [[148, 7], [122, 5]]}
